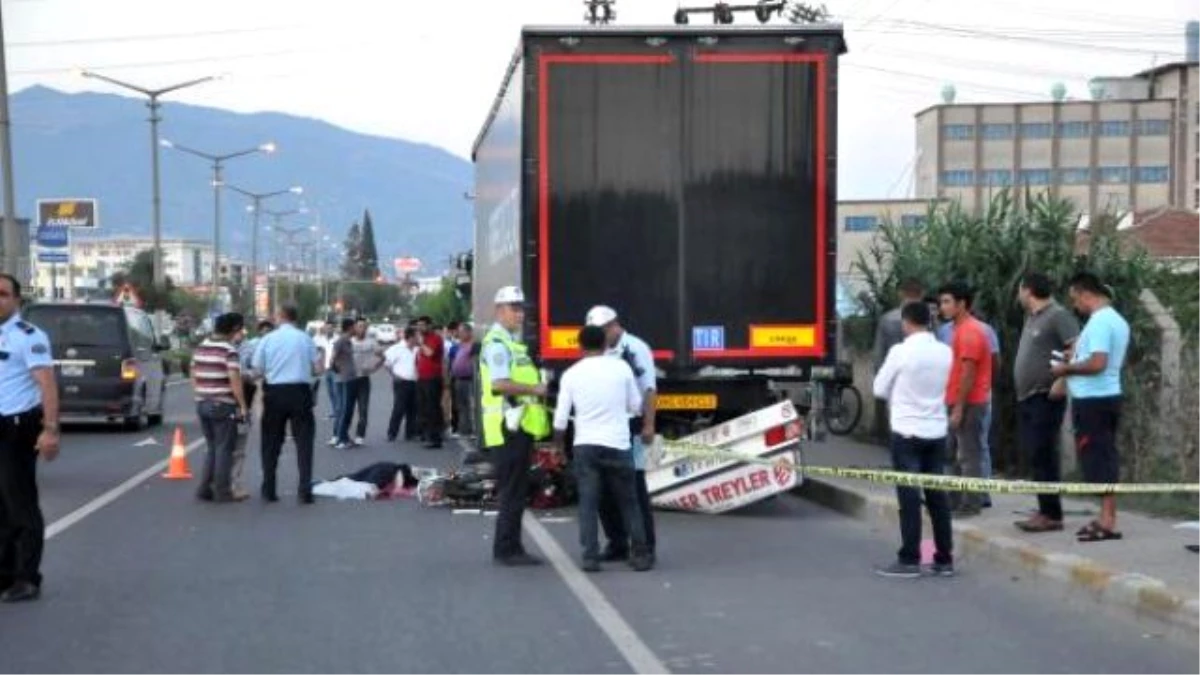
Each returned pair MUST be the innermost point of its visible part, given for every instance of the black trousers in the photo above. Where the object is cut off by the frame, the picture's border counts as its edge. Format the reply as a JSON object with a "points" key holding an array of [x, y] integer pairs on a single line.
{"points": [[429, 407], [22, 529], [607, 470], [922, 455], [358, 396], [249, 391], [613, 523], [512, 461], [404, 409], [1039, 420], [285, 404]]}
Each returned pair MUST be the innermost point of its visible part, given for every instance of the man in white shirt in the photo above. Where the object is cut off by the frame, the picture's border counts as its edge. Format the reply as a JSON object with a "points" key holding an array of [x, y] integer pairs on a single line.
{"points": [[602, 393], [325, 341], [913, 381], [401, 362], [634, 351]]}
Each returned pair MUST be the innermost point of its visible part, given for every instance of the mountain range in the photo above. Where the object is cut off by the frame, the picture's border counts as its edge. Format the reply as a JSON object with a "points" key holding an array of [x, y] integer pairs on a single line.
{"points": [[98, 146]]}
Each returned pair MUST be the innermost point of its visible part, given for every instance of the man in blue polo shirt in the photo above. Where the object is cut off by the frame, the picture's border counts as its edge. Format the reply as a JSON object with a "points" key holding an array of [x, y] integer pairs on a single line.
{"points": [[288, 359], [1093, 372]]}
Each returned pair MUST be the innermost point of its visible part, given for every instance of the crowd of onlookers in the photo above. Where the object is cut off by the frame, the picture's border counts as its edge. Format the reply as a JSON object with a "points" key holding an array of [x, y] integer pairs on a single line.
{"points": [[431, 372], [937, 378]]}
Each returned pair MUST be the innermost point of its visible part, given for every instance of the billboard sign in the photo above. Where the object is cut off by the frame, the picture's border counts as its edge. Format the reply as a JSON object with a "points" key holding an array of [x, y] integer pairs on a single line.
{"points": [[74, 213], [53, 244], [407, 265]]}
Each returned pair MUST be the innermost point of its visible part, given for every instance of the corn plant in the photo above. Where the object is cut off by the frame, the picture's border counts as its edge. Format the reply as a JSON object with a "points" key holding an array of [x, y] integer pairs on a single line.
{"points": [[1017, 233]]}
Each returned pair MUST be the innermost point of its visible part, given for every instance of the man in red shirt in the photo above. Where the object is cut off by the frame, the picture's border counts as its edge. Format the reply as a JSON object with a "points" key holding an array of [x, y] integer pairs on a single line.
{"points": [[969, 388], [430, 350]]}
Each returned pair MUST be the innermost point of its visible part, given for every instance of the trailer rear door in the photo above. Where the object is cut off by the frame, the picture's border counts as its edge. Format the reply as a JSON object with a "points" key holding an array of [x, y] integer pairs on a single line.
{"points": [[755, 207]]}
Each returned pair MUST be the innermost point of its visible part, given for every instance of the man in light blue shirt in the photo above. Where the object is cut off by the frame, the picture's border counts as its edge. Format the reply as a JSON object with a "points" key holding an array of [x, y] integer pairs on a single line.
{"points": [[288, 359], [637, 354], [1093, 372], [28, 429]]}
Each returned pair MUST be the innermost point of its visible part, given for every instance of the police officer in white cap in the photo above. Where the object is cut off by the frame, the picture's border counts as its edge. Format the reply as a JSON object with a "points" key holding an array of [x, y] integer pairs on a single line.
{"points": [[513, 416], [635, 352]]}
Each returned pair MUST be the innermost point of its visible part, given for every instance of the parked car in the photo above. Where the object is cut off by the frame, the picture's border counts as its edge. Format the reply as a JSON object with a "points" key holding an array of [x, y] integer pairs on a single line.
{"points": [[108, 361], [385, 333]]}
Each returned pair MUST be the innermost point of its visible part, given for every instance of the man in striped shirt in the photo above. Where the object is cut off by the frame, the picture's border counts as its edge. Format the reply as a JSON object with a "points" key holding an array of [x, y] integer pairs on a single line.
{"points": [[220, 404]]}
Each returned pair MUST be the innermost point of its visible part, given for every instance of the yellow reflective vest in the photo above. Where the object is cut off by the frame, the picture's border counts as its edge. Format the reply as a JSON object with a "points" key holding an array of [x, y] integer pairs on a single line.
{"points": [[535, 419]]}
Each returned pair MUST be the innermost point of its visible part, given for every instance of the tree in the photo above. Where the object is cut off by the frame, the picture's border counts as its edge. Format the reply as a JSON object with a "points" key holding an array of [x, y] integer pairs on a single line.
{"points": [[368, 253], [443, 306], [139, 273], [352, 253], [807, 12]]}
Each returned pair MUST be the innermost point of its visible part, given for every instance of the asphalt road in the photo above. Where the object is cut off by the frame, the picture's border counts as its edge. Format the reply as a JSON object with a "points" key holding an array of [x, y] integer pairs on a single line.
{"points": [[153, 581]]}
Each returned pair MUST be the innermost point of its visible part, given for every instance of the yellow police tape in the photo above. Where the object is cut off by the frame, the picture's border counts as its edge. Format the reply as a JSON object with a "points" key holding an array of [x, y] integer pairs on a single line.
{"points": [[922, 480]]}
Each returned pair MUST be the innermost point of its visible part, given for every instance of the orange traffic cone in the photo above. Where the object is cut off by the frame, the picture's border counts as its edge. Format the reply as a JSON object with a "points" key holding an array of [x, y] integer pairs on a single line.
{"points": [[177, 468]]}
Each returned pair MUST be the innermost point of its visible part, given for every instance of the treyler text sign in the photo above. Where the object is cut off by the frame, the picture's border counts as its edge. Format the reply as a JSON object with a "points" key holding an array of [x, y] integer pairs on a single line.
{"points": [[732, 489]]}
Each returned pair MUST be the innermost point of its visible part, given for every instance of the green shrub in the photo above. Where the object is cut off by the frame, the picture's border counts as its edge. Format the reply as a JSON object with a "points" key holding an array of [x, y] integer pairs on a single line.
{"points": [[1019, 233]]}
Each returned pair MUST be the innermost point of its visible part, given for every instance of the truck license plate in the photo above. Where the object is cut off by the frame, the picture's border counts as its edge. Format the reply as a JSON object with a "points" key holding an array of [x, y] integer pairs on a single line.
{"points": [[72, 371], [687, 402]]}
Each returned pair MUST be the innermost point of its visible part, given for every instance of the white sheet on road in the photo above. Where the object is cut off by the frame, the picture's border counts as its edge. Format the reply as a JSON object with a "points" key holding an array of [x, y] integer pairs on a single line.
{"points": [[344, 488]]}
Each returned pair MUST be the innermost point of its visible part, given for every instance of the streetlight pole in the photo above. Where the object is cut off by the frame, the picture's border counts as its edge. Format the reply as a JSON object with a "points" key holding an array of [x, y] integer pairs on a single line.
{"points": [[153, 95], [290, 233], [11, 235], [257, 198], [278, 217], [218, 162]]}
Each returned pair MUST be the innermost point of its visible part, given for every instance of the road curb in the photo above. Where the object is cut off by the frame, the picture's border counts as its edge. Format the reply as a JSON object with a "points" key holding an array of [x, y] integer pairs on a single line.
{"points": [[1138, 595]]}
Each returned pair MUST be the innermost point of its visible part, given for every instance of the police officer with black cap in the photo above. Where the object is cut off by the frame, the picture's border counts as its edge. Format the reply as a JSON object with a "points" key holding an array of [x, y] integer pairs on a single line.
{"points": [[28, 428]]}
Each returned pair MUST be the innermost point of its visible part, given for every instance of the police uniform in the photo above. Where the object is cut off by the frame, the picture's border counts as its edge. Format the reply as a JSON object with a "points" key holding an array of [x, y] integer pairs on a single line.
{"points": [[634, 351], [285, 357], [23, 349], [503, 357]]}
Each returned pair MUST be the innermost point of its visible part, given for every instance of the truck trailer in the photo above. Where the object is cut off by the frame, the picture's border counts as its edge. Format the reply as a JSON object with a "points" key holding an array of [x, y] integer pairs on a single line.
{"points": [[683, 175]]}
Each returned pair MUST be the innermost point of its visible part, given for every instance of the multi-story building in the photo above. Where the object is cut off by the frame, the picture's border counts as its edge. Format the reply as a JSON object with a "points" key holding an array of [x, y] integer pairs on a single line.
{"points": [[188, 263], [1133, 146], [858, 222]]}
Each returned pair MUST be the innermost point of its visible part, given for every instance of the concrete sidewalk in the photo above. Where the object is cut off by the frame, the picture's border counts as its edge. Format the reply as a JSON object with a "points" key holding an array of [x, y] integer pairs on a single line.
{"points": [[1148, 573]]}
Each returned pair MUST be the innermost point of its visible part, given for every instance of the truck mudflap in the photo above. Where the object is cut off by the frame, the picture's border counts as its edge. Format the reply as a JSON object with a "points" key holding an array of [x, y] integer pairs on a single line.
{"points": [[681, 482]]}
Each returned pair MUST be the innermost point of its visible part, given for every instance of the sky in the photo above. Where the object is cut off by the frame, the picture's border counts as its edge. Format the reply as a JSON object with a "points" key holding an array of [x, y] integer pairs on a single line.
{"points": [[428, 70]]}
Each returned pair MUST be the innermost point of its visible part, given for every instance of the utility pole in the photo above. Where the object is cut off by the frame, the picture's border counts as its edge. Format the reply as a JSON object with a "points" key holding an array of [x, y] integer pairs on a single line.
{"points": [[11, 236]]}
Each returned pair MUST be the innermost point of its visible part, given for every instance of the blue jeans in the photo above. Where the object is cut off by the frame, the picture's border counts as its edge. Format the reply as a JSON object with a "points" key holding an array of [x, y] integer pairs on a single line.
{"points": [[985, 444], [919, 455], [218, 421], [336, 393], [596, 466]]}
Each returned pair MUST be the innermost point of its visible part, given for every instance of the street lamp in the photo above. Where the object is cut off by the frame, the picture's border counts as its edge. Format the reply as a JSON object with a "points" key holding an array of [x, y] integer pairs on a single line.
{"points": [[155, 118], [278, 217], [257, 198], [290, 233], [217, 165]]}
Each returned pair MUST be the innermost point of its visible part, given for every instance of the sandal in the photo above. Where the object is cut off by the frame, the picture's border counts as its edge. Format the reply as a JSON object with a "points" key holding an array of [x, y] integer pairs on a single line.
{"points": [[1096, 532]]}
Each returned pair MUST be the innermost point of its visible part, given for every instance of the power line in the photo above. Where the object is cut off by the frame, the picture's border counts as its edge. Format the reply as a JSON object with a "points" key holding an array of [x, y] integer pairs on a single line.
{"points": [[147, 38], [924, 28], [956, 61]]}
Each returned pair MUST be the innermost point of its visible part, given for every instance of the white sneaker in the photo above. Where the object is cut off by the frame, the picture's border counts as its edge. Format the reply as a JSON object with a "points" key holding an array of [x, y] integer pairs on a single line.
{"points": [[359, 440], [333, 441]]}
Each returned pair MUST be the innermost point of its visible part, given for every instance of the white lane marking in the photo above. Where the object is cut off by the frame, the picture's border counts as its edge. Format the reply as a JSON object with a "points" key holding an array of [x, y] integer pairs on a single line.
{"points": [[173, 383], [58, 526], [622, 635], [149, 440], [619, 632]]}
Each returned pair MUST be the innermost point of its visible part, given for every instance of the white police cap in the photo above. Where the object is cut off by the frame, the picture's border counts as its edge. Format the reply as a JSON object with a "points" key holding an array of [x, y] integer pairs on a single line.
{"points": [[510, 295], [601, 315]]}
